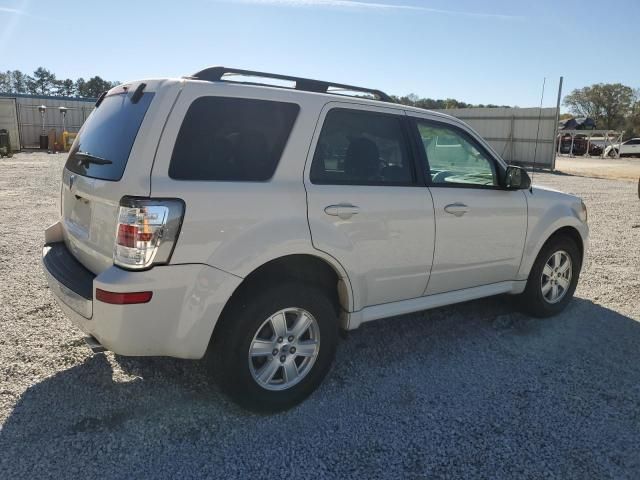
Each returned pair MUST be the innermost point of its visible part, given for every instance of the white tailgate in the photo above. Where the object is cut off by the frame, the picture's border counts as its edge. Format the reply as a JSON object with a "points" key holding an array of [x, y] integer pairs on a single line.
{"points": [[90, 205]]}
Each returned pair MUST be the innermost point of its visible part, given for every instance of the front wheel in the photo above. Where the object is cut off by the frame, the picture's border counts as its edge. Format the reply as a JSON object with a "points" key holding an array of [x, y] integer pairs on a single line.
{"points": [[553, 278], [275, 346]]}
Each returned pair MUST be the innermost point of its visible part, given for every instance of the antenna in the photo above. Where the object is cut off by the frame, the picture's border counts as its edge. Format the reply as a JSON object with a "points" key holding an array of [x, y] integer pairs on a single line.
{"points": [[535, 151]]}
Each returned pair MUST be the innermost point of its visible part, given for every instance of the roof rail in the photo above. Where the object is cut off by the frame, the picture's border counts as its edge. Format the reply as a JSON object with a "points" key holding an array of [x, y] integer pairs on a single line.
{"points": [[216, 74]]}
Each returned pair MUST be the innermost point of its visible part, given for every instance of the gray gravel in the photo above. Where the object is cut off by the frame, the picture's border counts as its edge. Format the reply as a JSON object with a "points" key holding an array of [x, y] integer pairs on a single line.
{"points": [[472, 390]]}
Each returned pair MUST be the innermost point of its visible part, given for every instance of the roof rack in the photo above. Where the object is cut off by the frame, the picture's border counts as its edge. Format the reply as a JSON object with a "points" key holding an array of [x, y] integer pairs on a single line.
{"points": [[216, 74]]}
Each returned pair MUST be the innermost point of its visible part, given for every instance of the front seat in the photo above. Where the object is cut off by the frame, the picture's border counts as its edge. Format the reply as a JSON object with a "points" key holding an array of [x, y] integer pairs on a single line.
{"points": [[362, 160]]}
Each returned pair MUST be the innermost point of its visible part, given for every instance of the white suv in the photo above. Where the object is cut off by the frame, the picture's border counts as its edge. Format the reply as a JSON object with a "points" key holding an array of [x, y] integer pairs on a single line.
{"points": [[249, 222], [630, 148]]}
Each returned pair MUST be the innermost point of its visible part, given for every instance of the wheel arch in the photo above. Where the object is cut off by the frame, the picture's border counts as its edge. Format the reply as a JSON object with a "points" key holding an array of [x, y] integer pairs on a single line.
{"points": [[571, 231], [303, 267]]}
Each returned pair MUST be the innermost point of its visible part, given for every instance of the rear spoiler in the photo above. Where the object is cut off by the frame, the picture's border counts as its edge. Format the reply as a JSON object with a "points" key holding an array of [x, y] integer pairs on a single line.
{"points": [[135, 98]]}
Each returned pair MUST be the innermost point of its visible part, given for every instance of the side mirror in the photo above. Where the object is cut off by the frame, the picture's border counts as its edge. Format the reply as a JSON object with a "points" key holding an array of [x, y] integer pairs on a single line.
{"points": [[517, 178]]}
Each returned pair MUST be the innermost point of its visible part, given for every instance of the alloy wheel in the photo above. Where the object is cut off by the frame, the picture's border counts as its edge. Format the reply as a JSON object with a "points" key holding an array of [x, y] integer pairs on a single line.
{"points": [[284, 349], [556, 277]]}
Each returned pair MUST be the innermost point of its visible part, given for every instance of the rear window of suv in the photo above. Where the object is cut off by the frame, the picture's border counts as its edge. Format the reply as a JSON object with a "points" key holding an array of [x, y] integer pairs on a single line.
{"points": [[103, 145], [232, 139]]}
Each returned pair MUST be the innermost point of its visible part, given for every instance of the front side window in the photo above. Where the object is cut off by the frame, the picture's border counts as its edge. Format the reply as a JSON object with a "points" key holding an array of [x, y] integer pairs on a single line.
{"points": [[232, 139], [454, 158], [362, 148]]}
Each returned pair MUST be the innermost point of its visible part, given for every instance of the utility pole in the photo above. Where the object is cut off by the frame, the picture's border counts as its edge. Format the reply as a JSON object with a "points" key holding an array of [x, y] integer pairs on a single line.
{"points": [[555, 138]]}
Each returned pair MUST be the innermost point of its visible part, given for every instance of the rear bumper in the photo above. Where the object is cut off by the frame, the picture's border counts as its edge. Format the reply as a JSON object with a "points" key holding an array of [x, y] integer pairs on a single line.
{"points": [[69, 281], [178, 321]]}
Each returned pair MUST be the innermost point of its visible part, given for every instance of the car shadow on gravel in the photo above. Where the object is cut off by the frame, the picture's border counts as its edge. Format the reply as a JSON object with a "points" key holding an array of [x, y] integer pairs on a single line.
{"points": [[469, 386]]}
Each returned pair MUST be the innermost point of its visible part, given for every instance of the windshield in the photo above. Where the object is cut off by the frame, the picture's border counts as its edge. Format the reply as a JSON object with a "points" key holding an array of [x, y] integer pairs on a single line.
{"points": [[108, 135]]}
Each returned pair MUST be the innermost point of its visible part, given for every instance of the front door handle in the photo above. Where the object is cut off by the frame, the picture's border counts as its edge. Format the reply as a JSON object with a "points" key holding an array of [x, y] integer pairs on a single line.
{"points": [[343, 210], [457, 209]]}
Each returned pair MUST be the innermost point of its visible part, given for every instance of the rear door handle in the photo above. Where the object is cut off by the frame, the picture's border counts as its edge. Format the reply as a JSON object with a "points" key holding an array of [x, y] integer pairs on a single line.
{"points": [[343, 210], [457, 209]]}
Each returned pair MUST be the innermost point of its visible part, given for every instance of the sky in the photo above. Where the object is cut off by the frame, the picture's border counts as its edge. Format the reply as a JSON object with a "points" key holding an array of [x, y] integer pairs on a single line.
{"points": [[492, 51]]}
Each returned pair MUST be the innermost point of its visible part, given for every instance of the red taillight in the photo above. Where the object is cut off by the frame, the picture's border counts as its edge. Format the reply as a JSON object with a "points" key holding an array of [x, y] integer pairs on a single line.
{"points": [[127, 235], [118, 298], [147, 231]]}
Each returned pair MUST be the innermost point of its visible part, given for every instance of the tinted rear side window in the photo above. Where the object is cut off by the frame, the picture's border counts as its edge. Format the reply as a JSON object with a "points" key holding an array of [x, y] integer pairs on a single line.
{"points": [[362, 148], [108, 134], [232, 139]]}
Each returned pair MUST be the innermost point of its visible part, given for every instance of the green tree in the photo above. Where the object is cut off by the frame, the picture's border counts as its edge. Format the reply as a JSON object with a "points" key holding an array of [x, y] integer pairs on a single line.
{"points": [[95, 86], [607, 103], [5, 82], [81, 87], [432, 104], [18, 82], [43, 82], [66, 87]]}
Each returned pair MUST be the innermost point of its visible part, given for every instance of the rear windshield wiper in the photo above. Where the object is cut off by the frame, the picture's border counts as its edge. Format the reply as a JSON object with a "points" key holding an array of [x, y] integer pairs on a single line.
{"points": [[86, 157]]}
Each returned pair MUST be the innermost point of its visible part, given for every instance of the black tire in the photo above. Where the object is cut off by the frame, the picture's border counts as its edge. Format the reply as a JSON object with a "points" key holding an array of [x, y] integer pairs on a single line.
{"points": [[532, 300], [229, 351], [612, 153]]}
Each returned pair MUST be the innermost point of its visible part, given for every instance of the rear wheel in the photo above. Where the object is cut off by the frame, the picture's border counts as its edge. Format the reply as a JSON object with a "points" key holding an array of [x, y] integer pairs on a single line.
{"points": [[553, 278], [275, 346]]}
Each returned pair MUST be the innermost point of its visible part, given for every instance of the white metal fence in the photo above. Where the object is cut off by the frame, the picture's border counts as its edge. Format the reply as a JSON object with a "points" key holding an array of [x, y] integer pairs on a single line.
{"points": [[512, 132], [29, 121], [9, 120]]}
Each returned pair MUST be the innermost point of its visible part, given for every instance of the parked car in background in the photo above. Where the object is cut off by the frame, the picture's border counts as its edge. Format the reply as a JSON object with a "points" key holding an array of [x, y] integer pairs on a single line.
{"points": [[595, 150], [630, 148], [246, 223], [580, 143]]}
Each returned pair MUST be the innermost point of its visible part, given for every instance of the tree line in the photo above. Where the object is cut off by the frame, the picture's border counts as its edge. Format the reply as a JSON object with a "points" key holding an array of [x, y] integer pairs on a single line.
{"points": [[430, 104], [613, 106], [44, 82]]}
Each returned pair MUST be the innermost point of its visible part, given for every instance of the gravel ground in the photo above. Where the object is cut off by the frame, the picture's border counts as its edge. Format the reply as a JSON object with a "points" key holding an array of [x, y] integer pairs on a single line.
{"points": [[472, 390], [627, 168]]}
